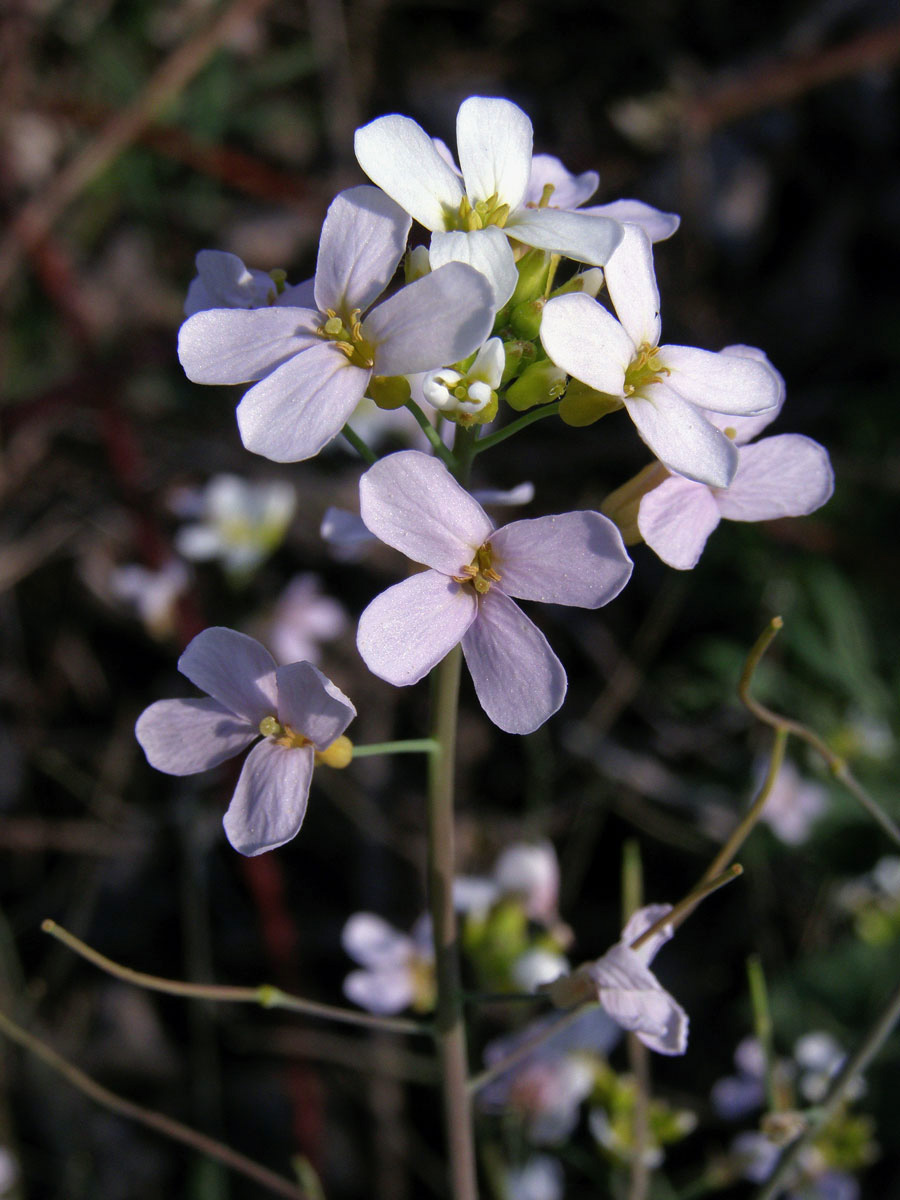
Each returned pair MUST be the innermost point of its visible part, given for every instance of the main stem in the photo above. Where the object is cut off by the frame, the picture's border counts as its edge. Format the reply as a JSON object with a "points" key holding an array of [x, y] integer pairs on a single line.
{"points": [[450, 1030]]}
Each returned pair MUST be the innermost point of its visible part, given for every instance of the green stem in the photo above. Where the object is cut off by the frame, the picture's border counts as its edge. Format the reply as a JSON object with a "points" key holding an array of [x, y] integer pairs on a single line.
{"points": [[445, 455], [762, 1023], [411, 746], [359, 445], [529, 418], [450, 1030]]}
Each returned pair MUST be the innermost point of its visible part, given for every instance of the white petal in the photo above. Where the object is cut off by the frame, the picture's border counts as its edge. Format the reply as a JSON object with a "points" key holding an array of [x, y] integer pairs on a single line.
{"points": [[681, 438], [578, 235], [657, 225], [585, 340], [489, 363], [569, 191], [269, 802], [676, 518], [401, 158], [345, 533], [408, 629], [744, 429], [373, 943], [633, 996], [638, 924], [311, 704], [182, 737], [292, 413], [784, 476], [522, 493], [487, 250], [493, 139], [380, 992], [519, 681], [237, 345], [631, 283], [234, 669], [199, 543], [363, 240], [431, 322], [411, 501], [224, 282], [725, 383], [574, 558]]}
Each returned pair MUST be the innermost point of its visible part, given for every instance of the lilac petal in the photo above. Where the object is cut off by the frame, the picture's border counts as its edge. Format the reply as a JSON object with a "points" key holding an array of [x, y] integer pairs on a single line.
{"points": [[725, 383], [494, 139], [292, 413], [676, 518], [345, 533], [519, 681], [381, 992], [569, 191], [578, 235], [631, 283], [431, 322], [680, 437], [182, 737], [585, 340], [235, 670], [487, 250], [363, 240], [373, 943], [408, 629], [784, 476], [633, 996], [269, 802], [400, 157], [298, 295], [657, 225], [575, 558], [311, 704], [411, 501], [744, 429], [237, 345], [224, 282], [638, 924]]}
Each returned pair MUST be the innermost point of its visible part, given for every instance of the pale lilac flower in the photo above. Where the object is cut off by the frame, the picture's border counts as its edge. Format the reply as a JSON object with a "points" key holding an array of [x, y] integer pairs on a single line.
{"points": [[820, 1057], [473, 212], [734, 1096], [531, 870], [537, 967], [783, 476], [303, 618], [545, 1092], [794, 805], [756, 1157], [621, 980], [573, 191], [667, 390], [411, 502], [540, 1178], [298, 712], [397, 969], [314, 365], [222, 281], [240, 521], [470, 392], [152, 594]]}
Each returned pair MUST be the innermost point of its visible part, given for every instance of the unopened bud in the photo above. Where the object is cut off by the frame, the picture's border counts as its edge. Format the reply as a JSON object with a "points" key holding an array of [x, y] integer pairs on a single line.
{"points": [[538, 384], [590, 282], [622, 505], [534, 271], [338, 754], [583, 405], [416, 264], [518, 356], [525, 319], [389, 391]]}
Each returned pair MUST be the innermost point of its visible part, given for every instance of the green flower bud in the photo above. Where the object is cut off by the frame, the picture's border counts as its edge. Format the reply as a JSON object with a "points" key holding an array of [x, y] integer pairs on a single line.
{"points": [[525, 319], [538, 384], [582, 405], [518, 356], [389, 391], [534, 271]]}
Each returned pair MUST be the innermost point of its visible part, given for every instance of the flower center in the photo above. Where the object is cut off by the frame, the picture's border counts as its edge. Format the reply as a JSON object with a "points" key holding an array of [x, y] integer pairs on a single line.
{"points": [[347, 334], [644, 369], [479, 572], [282, 735], [479, 215]]}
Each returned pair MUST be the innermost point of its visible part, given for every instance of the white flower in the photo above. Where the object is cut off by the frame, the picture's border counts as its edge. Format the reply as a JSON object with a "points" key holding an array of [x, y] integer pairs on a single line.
{"points": [[665, 389], [241, 521], [222, 281], [303, 618], [471, 212], [531, 870], [397, 969], [152, 594], [541, 1178], [469, 392], [794, 805], [537, 967]]}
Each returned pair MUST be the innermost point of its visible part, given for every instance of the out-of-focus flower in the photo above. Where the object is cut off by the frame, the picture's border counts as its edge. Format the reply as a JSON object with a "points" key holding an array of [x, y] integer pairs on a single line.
{"points": [[734, 1096], [794, 805], [531, 870], [537, 967], [540, 1178], [613, 1120], [9, 1172], [222, 281], [298, 713], [411, 502], [304, 617], [152, 595], [819, 1058], [241, 522], [398, 969], [623, 983], [311, 366], [545, 1092], [667, 390]]}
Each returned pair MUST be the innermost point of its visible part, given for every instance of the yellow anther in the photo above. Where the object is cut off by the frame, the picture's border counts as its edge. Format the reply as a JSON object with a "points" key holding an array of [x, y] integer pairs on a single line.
{"points": [[479, 572], [730, 432], [339, 754]]}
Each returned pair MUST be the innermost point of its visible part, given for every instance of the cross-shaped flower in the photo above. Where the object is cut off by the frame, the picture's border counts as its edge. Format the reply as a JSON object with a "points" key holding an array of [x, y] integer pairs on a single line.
{"points": [[315, 365], [299, 713], [410, 501]]}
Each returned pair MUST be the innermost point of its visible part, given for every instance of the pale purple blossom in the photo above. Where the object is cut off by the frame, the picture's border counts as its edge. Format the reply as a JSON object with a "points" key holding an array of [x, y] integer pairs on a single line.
{"points": [[783, 476], [545, 1092], [310, 366], [152, 594], [794, 805], [303, 618], [397, 969], [222, 281], [667, 390], [240, 522], [473, 212], [411, 502], [622, 982], [528, 871], [540, 1178], [295, 710]]}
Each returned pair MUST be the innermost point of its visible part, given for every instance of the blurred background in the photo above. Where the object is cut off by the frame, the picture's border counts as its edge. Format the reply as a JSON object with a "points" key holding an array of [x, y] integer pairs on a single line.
{"points": [[133, 135]]}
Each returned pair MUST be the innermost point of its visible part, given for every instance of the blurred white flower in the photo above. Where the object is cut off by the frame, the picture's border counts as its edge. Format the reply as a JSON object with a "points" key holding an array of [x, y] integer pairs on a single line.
{"points": [[794, 804], [241, 522], [152, 595], [541, 1178], [303, 618], [397, 969]]}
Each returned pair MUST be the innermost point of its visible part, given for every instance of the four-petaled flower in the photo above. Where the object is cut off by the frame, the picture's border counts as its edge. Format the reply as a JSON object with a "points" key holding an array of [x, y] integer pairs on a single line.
{"points": [[412, 502], [473, 213], [397, 968], [665, 389], [315, 365], [300, 714]]}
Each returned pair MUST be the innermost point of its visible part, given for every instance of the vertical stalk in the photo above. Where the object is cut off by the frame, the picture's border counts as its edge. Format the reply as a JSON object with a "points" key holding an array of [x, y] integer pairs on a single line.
{"points": [[450, 1030]]}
